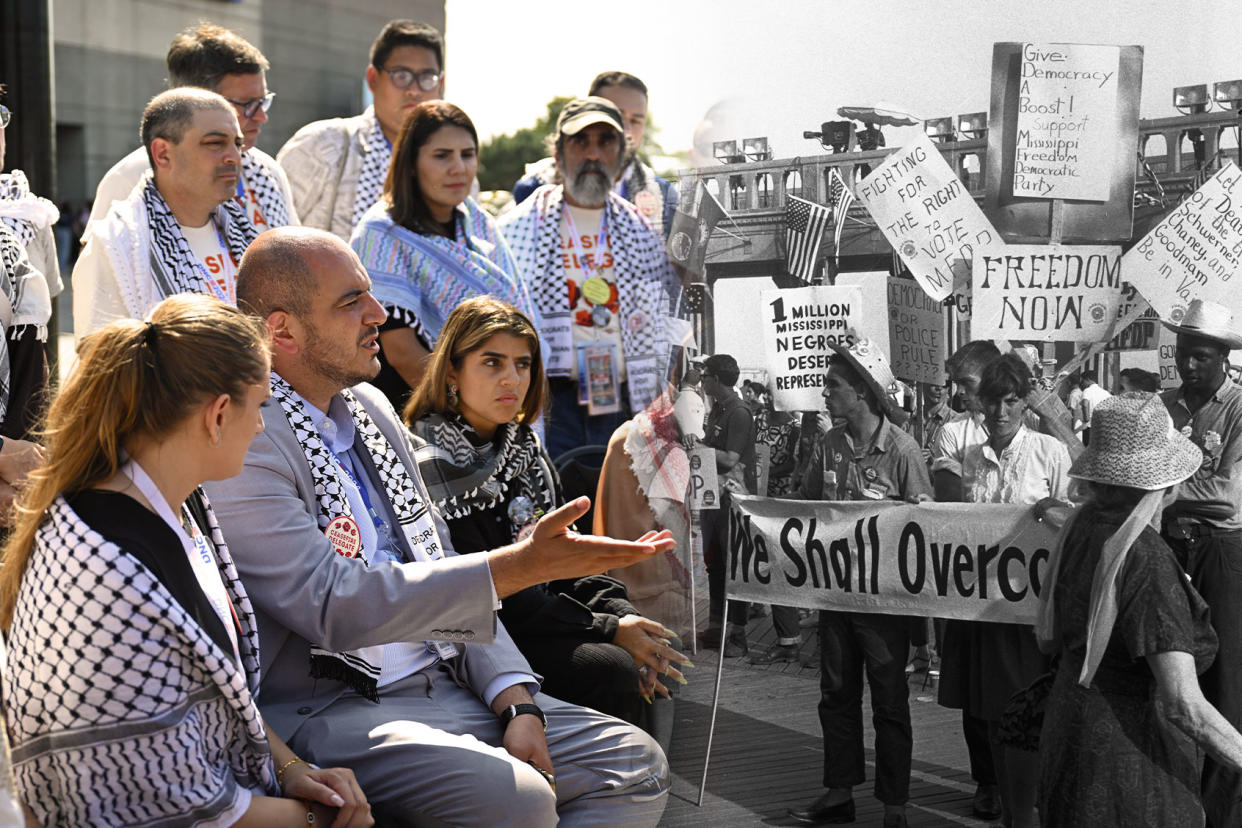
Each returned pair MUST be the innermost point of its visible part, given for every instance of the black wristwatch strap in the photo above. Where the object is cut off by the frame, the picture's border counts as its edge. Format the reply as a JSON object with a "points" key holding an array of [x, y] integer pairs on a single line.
{"points": [[514, 710]]}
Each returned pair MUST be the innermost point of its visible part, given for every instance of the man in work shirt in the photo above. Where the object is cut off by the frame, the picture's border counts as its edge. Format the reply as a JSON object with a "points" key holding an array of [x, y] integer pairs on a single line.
{"points": [[868, 457]]}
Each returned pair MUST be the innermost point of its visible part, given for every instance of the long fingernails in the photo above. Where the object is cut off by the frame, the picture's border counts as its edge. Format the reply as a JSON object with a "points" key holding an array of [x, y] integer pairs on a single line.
{"points": [[680, 679], [667, 633], [686, 663]]}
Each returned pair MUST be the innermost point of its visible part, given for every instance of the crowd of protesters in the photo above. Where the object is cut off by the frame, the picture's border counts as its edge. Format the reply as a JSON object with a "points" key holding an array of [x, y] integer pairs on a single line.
{"points": [[291, 542]]}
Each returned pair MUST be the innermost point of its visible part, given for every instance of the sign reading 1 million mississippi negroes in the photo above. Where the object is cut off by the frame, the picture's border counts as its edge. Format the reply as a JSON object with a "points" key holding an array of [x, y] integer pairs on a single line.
{"points": [[1067, 121], [799, 324]]}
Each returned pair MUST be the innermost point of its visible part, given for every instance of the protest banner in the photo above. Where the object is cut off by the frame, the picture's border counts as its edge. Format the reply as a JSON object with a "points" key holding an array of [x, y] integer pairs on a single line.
{"points": [[704, 484], [1143, 360], [1142, 334], [929, 218], [798, 325], [1067, 127], [1195, 253], [1045, 293], [973, 561], [916, 333]]}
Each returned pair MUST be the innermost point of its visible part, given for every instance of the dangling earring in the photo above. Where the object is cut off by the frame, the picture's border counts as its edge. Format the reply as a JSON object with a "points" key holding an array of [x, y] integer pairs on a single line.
{"points": [[452, 396]]}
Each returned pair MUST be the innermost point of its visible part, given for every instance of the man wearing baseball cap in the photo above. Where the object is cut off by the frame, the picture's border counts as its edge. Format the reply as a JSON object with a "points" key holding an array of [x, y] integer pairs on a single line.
{"points": [[867, 457], [600, 279], [1203, 526]]}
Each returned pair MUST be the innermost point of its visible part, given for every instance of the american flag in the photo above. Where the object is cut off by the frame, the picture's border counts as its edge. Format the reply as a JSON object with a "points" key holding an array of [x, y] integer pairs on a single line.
{"points": [[805, 222], [841, 197]]}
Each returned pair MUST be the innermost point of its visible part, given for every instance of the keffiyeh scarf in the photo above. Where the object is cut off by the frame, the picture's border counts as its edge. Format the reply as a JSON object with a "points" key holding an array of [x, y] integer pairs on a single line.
{"points": [[644, 280], [24, 212], [360, 669], [174, 267], [21, 289], [420, 278], [464, 477], [266, 188], [110, 678], [376, 157], [660, 465]]}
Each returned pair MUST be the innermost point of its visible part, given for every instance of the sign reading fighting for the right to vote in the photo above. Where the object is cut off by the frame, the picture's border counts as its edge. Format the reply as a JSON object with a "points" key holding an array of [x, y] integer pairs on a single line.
{"points": [[926, 214], [1067, 121], [798, 326], [975, 561], [1045, 293], [1195, 253]]}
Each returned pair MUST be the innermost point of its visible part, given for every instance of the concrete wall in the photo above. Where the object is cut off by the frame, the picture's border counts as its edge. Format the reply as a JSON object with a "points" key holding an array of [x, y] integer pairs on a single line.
{"points": [[109, 61]]}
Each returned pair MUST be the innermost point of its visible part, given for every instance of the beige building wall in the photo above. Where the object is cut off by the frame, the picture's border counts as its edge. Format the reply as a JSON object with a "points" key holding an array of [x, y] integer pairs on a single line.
{"points": [[109, 61]]}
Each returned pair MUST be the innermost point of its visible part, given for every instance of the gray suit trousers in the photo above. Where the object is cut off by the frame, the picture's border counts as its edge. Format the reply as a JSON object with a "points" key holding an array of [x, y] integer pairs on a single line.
{"points": [[430, 753]]}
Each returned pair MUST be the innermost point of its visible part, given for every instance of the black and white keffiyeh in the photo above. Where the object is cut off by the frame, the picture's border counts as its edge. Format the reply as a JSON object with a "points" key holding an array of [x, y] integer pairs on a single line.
{"points": [[375, 160], [174, 267], [644, 279], [24, 212], [265, 185], [122, 709], [360, 668], [15, 279], [465, 478]]}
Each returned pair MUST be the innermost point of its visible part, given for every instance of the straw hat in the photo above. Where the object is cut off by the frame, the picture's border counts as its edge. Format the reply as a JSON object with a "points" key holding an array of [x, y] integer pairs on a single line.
{"points": [[869, 362], [1208, 319], [1134, 444]]}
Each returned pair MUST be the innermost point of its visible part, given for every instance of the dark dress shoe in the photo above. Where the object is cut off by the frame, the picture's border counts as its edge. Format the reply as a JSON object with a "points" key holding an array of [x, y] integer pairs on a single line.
{"points": [[819, 813], [781, 652], [735, 646], [986, 804], [709, 639], [895, 821]]}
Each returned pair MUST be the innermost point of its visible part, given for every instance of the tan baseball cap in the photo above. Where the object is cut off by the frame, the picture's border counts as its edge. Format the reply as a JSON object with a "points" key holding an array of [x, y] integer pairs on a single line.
{"points": [[580, 113]]}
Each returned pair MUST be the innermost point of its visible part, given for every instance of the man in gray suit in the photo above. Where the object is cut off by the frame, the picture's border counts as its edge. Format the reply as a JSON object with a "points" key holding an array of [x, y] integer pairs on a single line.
{"points": [[380, 649]]}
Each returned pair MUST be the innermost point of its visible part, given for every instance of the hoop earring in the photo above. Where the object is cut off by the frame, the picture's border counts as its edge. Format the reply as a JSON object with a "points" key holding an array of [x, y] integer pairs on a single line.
{"points": [[453, 399]]}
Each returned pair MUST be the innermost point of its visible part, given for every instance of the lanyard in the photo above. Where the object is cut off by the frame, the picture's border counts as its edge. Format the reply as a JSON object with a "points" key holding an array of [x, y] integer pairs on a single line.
{"points": [[345, 463], [224, 295], [197, 550], [600, 240]]}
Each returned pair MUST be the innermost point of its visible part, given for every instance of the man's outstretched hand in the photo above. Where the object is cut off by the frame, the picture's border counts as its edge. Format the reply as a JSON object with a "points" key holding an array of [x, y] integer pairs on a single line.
{"points": [[554, 551]]}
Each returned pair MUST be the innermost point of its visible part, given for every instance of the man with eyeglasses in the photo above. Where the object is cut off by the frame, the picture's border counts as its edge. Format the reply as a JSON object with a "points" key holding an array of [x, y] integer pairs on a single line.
{"points": [[212, 57], [338, 165]]}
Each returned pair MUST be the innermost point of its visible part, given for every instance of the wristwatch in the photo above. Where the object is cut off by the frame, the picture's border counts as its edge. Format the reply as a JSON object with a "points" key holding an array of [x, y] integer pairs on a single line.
{"points": [[514, 710]]}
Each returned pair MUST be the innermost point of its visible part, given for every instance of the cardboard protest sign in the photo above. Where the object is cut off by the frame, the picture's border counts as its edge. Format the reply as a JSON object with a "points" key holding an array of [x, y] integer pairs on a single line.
{"points": [[1141, 334], [926, 214], [1195, 253], [984, 562], [1169, 378], [798, 325], [1067, 127], [916, 333], [704, 484], [1045, 293]]}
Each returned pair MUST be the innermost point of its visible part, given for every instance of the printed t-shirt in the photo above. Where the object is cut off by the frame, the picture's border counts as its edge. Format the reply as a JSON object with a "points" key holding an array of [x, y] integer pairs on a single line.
{"points": [[591, 282], [212, 253]]}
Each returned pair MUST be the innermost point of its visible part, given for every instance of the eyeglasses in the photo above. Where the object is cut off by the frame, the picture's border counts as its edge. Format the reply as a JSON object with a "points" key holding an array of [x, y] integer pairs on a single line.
{"points": [[402, 78], [6, 115], [249, 109]]}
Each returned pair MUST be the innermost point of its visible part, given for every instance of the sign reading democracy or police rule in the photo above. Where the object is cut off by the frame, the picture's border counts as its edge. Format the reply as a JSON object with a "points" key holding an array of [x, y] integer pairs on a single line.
{"points": [[916, 333], [1169, 378], [1195, 253], [798, 325], [926, 214], [975, 561], [1045, 293], [1067, 124]]}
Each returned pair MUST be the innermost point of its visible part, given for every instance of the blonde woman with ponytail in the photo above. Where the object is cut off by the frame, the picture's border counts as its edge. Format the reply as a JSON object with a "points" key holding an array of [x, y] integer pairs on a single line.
{"points": [[133, 654]]}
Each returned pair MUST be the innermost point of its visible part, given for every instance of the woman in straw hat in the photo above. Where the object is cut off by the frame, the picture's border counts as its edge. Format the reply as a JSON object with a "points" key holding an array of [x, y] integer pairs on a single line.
{"points": [[1125, 717]]}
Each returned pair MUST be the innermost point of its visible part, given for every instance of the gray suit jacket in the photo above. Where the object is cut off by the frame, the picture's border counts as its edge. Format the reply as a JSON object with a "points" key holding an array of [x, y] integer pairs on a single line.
{"points": [[303, 592]]}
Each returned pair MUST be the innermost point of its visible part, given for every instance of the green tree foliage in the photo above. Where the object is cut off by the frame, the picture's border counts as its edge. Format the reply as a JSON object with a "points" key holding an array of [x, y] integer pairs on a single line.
{"points": [[503, 158]]}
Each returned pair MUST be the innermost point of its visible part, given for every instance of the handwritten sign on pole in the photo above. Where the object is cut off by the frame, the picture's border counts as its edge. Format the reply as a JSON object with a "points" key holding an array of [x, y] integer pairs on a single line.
{"points": [[1045, 293], [1141, 334], [704, 483], [1067, 127], [1169, 378], [798, 325], [916, 333], [1195, 253], [926, 214]]}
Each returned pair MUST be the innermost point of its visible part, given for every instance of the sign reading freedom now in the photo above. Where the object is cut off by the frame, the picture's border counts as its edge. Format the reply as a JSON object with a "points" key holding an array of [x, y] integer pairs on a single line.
{"points": [[973, 561]]}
